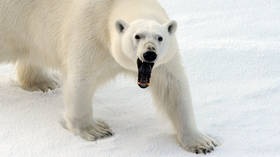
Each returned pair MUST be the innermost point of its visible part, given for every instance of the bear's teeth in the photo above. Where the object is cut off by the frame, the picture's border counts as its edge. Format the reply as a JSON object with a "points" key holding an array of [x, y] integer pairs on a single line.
{"points": [[144, 73]]}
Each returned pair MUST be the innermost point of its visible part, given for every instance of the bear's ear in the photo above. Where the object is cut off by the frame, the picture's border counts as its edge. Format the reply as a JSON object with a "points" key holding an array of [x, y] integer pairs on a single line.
{"points": [[121, 26], [171, 27]]}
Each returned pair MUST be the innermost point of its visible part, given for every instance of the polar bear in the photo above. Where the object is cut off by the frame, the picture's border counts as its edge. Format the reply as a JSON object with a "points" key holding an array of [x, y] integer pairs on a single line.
{"points": [[90, 42]]}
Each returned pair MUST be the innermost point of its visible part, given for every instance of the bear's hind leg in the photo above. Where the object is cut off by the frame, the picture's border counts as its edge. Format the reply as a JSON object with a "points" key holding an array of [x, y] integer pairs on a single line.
{"points": [[35, 78]]}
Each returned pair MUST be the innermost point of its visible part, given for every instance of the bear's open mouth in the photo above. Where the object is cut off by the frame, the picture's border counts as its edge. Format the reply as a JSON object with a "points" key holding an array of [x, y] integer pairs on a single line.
{"points": [[144, 73]]}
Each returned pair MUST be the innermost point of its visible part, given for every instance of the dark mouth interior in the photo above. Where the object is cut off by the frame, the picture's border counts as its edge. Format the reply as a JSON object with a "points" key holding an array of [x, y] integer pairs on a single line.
{"points": [[144, 73]]}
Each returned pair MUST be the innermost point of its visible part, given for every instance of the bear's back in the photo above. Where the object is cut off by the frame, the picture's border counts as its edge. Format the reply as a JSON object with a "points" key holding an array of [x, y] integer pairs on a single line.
{"points": [[137, 9]]}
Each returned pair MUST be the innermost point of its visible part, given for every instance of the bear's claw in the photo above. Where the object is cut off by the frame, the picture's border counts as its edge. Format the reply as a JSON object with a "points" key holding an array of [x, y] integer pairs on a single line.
{"points": [[95, 132], [198, 143]]}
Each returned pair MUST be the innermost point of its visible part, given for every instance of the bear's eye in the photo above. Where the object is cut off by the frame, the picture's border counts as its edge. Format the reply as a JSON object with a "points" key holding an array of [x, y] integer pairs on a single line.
{"points": [[137, 37], [160, 39]]}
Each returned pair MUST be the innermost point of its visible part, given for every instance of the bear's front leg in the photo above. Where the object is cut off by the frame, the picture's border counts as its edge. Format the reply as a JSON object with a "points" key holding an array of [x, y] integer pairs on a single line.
{"points": [[79, 87], [170, 91]]}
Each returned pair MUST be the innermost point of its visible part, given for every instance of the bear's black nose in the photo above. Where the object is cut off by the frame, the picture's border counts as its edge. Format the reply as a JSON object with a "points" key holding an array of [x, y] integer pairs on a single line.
{"points": [[150, 56]]}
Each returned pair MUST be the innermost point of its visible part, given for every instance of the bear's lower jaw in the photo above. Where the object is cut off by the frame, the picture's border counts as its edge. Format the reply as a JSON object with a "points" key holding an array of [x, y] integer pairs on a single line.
{"points": [[143, 85], [144, 73]]}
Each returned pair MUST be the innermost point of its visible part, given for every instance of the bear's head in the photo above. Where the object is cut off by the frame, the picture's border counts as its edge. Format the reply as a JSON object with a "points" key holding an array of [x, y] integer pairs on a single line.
{"points": [[144, 44]]}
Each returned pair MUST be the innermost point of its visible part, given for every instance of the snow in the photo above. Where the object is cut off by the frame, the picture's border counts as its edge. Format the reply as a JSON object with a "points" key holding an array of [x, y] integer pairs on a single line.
{"points": [[231, 53]]}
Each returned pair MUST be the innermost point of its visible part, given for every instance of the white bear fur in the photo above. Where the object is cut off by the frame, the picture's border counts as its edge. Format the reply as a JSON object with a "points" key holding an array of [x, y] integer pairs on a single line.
{"points": [[80, 38]]}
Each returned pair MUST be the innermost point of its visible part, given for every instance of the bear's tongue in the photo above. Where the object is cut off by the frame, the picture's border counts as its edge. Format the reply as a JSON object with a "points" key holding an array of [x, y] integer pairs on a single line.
{"points": [[144, 73]]}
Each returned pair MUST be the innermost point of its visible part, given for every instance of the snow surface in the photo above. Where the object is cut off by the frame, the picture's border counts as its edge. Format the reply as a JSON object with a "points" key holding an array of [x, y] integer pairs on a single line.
{"points": [[231, 52]]}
